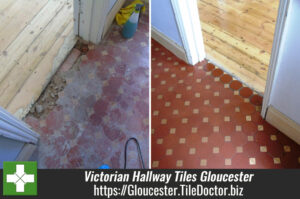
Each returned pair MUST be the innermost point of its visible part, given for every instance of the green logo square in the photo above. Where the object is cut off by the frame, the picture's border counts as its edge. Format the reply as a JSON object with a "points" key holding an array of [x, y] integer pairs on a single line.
{"points": [[19, 178]]}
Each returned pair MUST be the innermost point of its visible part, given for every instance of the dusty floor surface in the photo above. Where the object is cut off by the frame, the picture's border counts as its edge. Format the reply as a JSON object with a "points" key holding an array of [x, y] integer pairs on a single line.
{"points": [[94, 103]]}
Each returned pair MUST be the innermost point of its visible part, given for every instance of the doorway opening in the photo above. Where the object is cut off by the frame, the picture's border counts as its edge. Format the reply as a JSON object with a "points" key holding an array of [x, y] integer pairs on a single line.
{"points": [[238, 37]]}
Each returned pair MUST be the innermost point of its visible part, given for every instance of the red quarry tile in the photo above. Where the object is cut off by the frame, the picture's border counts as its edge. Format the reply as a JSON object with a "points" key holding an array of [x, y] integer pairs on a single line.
{"points": [[216, 139], [191, 163], [264, 160], [262, 138], [236, 100], [168, 162], [247, 108], [193, 138], [70, 131], [207, 81], [228, 128], [251, 149], [275, 149], [228, 150], [239, 139], [226, 109], [217, 87], [204, 149], [113, 133], [216, 161], [284, 140], [158, 150], [204, 128], [226, 78], [256, 117], [235, 85], [243, 161], [181, 151], [115, 160], [238, 118], [217, 73], [206, 122], [246, 92], [249, 128], [256, 100], [289, 160], [268, 127], [71, 59], [225, 93], [209, 67], [216, 101], [55, 120]]}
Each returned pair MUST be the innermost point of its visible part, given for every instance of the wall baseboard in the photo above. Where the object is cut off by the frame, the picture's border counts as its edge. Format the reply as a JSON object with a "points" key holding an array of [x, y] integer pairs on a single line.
{"points": [[283, 123], [168, 44], [26, 152]]}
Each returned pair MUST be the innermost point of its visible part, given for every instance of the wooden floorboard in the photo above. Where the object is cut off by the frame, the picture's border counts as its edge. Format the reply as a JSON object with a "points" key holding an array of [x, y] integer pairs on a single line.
{"points": [[5, 4], [25, 38], [253, 65], [30, 91], [39, 40], [241, 32], [235, 26], [251, 50], [13, 21]]}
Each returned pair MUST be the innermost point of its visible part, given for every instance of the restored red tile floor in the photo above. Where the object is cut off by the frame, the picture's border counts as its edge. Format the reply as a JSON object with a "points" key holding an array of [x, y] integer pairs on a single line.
{"points": [[202, 118], [104, 102]]}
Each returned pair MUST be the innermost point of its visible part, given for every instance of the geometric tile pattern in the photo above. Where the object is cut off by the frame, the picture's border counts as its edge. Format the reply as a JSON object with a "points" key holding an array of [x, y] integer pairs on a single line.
{"points": [[204, 118], [105, 102]]}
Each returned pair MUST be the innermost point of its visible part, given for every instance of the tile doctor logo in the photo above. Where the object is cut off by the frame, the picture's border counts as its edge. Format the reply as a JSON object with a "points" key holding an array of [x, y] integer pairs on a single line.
{"points": [[19, 178]]}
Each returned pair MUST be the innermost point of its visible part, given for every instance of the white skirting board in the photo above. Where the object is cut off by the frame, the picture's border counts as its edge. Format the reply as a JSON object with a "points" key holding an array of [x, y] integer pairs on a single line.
{"points": [[168, 44], [26, 152], [16, 129], [9, 149], [283, 123], [20, 140]]}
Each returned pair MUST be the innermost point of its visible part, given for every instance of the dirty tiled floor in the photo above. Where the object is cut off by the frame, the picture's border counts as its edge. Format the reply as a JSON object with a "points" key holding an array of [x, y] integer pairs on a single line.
{"points": [[203, 118], [103, 103]]}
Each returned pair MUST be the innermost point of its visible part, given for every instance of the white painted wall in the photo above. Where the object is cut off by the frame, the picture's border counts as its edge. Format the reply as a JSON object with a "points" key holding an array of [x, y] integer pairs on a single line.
{"points": [[9, 149], [285, 93], [163, 19], [111, 4]]}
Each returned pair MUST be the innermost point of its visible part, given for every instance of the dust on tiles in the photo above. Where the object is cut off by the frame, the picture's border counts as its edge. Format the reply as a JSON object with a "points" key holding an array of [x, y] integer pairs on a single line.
{"points": [[103, 103]]}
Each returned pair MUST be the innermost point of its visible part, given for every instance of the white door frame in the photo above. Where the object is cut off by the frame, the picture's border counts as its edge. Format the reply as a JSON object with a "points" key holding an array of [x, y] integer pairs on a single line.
{"points": [[94, 17], [188, 22], [90, 17], [274, 60]]}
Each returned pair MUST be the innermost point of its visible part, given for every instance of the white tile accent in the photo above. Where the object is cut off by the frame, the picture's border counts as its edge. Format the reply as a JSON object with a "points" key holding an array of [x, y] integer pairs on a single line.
{"points": [[252, 161], [172, 130]]}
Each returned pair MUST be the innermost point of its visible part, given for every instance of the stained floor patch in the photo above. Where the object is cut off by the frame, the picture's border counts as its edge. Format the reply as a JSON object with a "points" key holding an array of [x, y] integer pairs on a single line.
{"points": [[104, 102]]}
